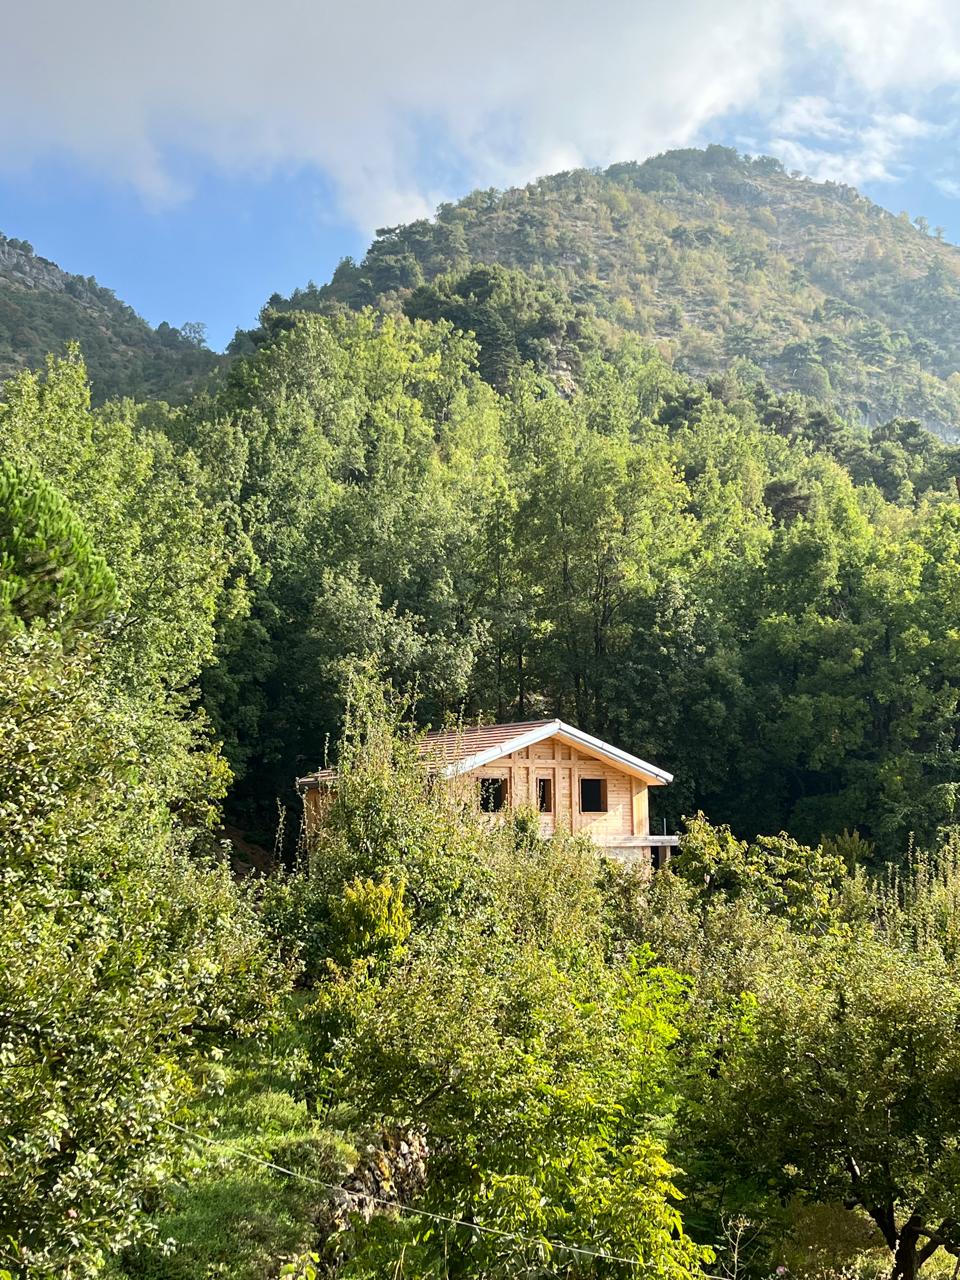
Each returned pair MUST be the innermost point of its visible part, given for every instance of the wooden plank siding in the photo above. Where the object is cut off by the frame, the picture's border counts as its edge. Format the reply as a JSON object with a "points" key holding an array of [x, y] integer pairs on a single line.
{"points": [[627, 812]]}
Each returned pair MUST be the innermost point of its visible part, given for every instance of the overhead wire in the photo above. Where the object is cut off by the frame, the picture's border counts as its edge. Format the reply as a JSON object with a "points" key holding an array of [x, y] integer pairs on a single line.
{"points": [[513, 1237]]}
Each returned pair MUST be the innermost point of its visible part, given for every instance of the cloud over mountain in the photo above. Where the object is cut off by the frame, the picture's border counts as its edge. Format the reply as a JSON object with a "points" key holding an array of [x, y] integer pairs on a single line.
{"points": [[401, 105]]}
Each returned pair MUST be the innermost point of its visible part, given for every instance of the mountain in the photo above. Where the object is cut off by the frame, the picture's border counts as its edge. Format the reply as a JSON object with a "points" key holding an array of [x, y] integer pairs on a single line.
{"points": [[715, 258], [43, 307]]}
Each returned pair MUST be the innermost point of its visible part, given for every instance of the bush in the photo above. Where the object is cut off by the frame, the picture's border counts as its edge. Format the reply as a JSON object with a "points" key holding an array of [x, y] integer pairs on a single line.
{"points": [[124, 964], [479, 1007]]}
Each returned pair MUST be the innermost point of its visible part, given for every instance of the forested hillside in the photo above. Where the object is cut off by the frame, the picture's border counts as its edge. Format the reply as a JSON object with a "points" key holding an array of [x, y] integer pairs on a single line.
{"points": [[732, 582], [713, 257], [42, 308], [716, 259], [417, 1045]]}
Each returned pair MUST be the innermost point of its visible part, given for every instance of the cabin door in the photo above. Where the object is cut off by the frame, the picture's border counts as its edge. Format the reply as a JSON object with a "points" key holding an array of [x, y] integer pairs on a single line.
{"points": [[546, 801]]}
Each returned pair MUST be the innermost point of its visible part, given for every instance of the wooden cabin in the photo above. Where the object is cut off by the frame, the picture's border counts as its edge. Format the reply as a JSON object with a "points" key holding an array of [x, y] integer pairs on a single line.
{"points": [[575, 782]]}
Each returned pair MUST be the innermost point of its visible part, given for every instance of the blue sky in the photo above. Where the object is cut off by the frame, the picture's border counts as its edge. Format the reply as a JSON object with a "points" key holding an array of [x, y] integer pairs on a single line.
{"points": [[196, 157], [215, 257]]}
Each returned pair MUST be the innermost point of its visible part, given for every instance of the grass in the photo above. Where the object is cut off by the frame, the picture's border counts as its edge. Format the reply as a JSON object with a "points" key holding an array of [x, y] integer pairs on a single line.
{"points": [[228, 1216]]}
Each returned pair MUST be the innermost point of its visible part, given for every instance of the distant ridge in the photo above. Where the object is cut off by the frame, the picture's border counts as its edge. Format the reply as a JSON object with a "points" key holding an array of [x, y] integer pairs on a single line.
{"points": [[43, 307]]}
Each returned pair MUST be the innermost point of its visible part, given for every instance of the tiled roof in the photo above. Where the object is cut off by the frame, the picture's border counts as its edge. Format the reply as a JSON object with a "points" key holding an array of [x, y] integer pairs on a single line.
{"points": [[453, 751], [447, 746], [451, 745]]}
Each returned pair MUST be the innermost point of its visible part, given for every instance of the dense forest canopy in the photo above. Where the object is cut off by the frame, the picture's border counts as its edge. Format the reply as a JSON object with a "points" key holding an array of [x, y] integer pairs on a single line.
{"points": [[496, 471], [735, 583]]}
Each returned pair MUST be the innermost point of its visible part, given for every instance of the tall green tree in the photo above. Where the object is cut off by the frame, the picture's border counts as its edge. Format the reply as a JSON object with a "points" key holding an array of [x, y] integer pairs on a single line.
{"points": [[842, 1086]]}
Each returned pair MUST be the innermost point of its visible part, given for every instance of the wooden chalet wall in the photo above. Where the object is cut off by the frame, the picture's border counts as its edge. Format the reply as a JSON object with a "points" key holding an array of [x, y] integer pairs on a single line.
{"points": [[627, 813], [315, 801]]}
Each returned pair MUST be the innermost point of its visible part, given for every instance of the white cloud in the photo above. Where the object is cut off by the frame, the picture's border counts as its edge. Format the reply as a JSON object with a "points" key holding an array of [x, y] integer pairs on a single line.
{"points": [[400, 105], [813, 117], [884, 45], [364, 91], [844, 148]]}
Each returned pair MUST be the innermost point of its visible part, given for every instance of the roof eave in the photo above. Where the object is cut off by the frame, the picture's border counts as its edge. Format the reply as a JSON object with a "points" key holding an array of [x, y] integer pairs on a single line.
{"points": [[573, 737], [632, 764], [478, 760], [312, 781]]}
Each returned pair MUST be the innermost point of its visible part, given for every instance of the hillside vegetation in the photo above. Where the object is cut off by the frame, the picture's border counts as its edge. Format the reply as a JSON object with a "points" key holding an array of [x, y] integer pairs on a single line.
{"points": [[43, 307], [713, 257], [418, 1045]]}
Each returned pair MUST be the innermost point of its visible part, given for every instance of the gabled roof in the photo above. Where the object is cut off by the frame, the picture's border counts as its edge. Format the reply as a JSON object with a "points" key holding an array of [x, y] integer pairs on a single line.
{"points": [[454, 745], [458, 751], [461, 750]]}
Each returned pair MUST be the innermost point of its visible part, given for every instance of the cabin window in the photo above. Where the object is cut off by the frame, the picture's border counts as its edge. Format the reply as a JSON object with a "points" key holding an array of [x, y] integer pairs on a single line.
{"points": [[493, 794], [545, 795], [593, 795]]}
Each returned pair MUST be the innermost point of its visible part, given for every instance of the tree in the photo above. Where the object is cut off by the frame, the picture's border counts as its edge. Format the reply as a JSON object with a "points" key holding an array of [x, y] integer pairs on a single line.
{"points": [[128, 955], [49, 570], [125, 965], [141, 501], [843, 1084], [773, 873], [534, 1081], [513, 318], [368, 456], [195, 332], [481, 1008]]}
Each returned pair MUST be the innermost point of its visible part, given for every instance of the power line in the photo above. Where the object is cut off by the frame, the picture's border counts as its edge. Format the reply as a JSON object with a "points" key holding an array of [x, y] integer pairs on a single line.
{"points": [[404, 1208]]}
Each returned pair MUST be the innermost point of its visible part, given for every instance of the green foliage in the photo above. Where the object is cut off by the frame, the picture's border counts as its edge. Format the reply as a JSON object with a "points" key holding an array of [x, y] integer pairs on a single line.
{"points": [[391, 850], [819, 1064], [548, 517], [774, 873], [49, 571], [514, 319], [124, 963], [225, 1212], [819, 1094], [497, 1028], [714, 256], [128, 955], [917, 905], [141, 501], [738, 584], [851, 848], [368, 455], [534, 1084], [370, 921]]}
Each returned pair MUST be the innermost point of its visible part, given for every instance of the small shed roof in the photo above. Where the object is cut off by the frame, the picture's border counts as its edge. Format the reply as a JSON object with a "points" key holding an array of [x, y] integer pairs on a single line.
{"points": [[458, 751]]}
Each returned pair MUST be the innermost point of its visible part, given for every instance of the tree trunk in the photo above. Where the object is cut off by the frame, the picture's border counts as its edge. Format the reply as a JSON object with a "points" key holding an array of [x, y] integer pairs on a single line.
{"points": [[905, 1259]]}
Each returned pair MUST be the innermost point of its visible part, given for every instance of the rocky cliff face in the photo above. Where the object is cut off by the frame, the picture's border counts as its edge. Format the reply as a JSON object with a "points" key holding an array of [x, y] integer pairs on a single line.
{"points": [[19, 265]]}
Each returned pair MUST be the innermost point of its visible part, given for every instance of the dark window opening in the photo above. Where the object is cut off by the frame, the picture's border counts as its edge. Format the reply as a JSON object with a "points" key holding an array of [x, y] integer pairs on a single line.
{"points": [[545, 795], [493, 794], [593, 795]]}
